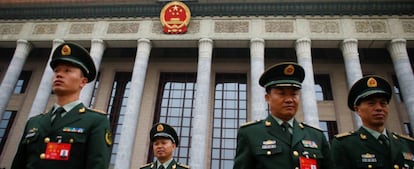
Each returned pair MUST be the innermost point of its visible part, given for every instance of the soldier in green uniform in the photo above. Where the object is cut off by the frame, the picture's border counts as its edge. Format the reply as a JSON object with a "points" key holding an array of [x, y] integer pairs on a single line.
{"points": [[69, 136], [372, 146], [279, 141], [164, 140]]}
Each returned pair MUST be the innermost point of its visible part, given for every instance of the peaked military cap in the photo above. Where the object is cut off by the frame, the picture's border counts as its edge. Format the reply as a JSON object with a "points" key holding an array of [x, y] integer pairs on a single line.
{"points": [[164, 130], [368, 86], [76, 55], [283, 74]]}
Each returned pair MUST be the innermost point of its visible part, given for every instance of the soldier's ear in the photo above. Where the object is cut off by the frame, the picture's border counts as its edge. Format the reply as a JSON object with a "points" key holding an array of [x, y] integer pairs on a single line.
{"points": [[267, 97]]}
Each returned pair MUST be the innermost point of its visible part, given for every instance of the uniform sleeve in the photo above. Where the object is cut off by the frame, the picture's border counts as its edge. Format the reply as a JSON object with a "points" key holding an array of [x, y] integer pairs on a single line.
{"points": [[244, 158], [20, 159], [98, 151], [327, 160], [339, 156]]}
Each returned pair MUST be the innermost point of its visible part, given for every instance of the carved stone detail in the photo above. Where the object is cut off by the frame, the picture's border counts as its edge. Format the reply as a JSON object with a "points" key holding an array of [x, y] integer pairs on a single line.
{"points": [[10, 29], [370, 27], [408, 26], [231, 27], [45, 29], [324, 27], [279, 26], [123, 28], [194, 27], [81, 29]]}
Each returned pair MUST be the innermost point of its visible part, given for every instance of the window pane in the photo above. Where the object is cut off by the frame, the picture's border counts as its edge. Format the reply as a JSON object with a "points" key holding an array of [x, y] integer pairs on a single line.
{"points": [[176, 105], [117, 108], [5, 124], [22, 82], [323, 89], [230, 111]]}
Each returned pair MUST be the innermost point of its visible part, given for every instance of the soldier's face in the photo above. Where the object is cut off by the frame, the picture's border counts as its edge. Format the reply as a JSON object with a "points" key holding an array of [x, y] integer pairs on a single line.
{"points": [[68, 79], [373, 111], [163, 149], [283, 102]]}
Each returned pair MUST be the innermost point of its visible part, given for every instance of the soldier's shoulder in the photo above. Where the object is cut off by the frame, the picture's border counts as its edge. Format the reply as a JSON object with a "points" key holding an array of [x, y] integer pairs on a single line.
{"points": [[344, 134], [303, 125], [182, 166], [403, 136], [97, 111], [250, 123], [149, 165]]}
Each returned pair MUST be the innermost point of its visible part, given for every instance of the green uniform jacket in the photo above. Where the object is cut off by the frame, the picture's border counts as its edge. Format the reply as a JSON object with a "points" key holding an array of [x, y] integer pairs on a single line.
{"points": [[260, 145], [173, 165], [86, 130], [361, 150]]}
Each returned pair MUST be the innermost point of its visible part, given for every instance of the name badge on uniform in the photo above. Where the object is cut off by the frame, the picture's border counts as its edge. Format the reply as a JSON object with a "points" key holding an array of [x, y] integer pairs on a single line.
{"points": [[57, 151], [269, 144], [307, 163], [309, 144], [368, 158], [408, 156]]}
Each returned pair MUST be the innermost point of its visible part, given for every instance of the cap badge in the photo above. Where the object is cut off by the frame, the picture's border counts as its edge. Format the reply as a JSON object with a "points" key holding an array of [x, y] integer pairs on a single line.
{"points": [[289, 70], [372, 82], [160, 128], [66, 51]]}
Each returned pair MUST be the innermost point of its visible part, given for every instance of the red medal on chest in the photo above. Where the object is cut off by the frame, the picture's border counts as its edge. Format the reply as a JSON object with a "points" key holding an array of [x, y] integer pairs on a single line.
{"points": [[57, 151], [307, 163]]}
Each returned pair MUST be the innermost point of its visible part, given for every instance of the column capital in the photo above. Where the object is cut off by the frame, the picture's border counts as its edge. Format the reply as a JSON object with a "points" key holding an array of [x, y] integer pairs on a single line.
{"points": [[303, 40], [258, 40], [27, 44], [397, 49], [144, 40], [348, 41], [205, 40], [395, 42], [99, 41]]}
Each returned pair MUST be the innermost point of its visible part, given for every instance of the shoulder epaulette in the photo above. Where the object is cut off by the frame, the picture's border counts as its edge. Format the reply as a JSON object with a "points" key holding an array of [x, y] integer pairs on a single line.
{"points": [[344, 134], [317, 128], [407, 137], [145, 165], [183, 165], [250, 123], [44, 112], [99, 111]]}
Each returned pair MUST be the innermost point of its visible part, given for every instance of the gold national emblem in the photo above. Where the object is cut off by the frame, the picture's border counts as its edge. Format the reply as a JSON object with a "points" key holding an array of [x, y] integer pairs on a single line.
{"points": [[108, 137], [372, 82], [160, 128], [66, 51], [289, 70], [175, 17]]}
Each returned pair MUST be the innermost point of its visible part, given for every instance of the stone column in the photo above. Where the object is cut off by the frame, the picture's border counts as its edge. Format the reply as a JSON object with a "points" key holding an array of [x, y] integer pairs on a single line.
{"points": [[349, 48], [257, 101], [198, 155], [45, 87], [404, 72], [97, 51], [13, 72], [127, 137], [309, 105]]}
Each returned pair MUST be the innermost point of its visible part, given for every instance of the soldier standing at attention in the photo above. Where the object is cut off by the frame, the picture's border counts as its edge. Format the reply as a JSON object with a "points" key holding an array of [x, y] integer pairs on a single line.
{"points": [[279, 141], [69, 136], [372, 146], [164, 140]]}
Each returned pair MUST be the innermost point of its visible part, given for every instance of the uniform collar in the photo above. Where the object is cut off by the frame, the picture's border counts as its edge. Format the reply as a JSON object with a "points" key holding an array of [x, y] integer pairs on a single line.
{"points": [[166, 164], [280, 121], [374, 133], [68, 106]]}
